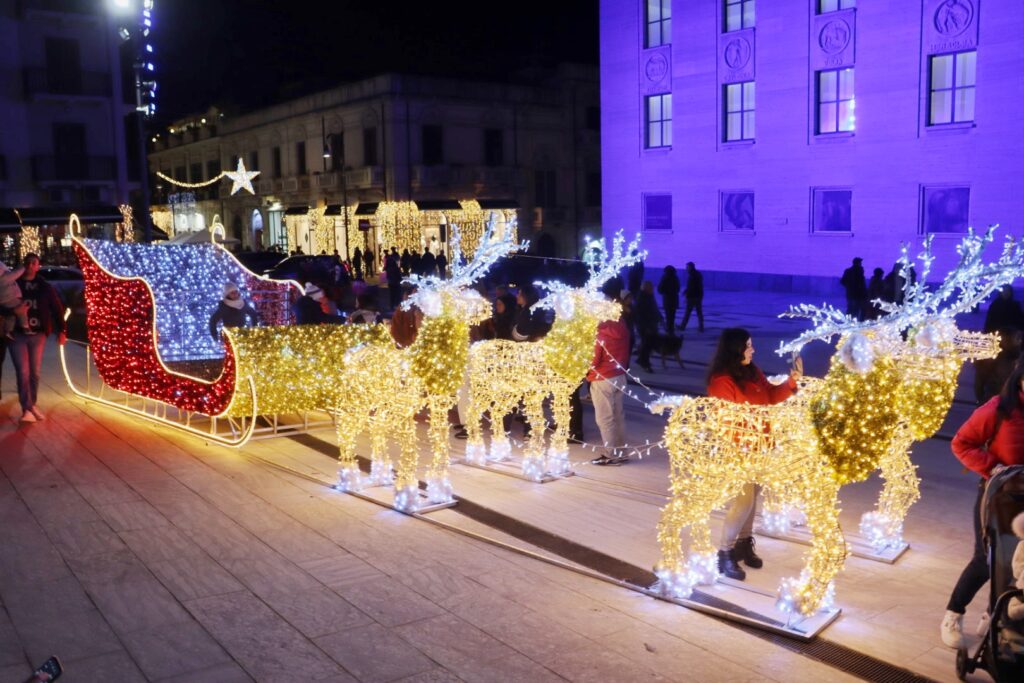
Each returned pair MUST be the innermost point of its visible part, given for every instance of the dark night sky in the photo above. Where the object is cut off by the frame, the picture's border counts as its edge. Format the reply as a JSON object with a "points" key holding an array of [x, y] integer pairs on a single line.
{"points": [[247, 53]]}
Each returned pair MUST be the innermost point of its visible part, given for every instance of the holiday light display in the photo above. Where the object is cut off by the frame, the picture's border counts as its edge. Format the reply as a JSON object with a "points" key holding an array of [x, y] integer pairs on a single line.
{"points": [[188, 281], [503, 374], [382, 387], [891, 383], [240, 179], [125, 230]]}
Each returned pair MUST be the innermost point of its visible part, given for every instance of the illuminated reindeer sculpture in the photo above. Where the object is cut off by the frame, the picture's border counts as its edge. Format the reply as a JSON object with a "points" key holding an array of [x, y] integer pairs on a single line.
{"points": [[898, 375], [504, 374], [881, 393], [383, 387]]}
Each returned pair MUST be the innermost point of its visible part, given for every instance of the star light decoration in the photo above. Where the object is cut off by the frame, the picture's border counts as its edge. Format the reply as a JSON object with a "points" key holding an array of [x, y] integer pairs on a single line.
{"points": [[882, 392], [240, 179], [382, 388], [503, 374]]}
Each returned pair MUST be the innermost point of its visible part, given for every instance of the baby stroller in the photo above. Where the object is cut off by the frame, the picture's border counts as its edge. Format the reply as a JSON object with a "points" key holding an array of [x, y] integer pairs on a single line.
{"points": [[1001, 652]]}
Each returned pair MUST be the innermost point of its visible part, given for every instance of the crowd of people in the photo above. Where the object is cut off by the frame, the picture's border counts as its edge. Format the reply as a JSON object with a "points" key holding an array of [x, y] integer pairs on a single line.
{"points": [[863, 294]]}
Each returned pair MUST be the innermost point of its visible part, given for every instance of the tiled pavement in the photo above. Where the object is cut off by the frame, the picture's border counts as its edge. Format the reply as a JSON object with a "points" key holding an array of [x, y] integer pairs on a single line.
{"points": [[135, 553]]}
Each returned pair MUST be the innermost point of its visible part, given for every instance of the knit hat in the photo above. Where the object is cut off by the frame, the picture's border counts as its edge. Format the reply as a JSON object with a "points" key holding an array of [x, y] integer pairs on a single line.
{"points": [[314, 292], [233, 303]]}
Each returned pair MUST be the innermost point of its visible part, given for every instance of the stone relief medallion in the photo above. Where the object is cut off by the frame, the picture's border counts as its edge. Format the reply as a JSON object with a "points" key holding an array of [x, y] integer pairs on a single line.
{"points": [[737, 53], [834, 36], [953, 17], [656, 68]]}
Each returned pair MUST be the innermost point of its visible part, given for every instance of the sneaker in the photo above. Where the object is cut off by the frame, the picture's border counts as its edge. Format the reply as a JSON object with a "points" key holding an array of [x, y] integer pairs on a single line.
{"points": [[619, 460], [952, 630], [38, 413], [28, 417], [603, 460], [983, 624]]}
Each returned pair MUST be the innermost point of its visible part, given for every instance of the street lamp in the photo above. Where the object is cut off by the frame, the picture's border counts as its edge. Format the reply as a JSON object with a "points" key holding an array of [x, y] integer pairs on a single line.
{"points": [[329, 152], [140, 12]]}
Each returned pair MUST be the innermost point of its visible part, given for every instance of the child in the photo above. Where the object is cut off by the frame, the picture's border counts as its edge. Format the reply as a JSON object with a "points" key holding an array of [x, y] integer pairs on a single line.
{"points": [[11, 308], [1015, 610]]}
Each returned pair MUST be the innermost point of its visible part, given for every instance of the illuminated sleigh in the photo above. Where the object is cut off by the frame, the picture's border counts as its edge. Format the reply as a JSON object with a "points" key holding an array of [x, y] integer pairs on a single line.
{"points": [[136, 319]]}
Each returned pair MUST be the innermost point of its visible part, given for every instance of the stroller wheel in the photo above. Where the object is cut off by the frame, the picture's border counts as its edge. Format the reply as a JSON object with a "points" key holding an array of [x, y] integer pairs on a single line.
{"points": [[963, 666]]}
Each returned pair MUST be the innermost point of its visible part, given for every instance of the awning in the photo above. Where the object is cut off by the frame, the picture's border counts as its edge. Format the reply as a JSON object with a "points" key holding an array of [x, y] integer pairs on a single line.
{"points": [[47, 215], [333, 210], [9, 220], [498, 203], [296, 211], [367, 208], [438, 205]]}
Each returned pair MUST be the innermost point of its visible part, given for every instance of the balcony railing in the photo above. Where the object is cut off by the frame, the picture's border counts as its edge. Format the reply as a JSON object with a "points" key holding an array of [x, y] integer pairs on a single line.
{"points": [[40, 81], [367, 176], [98, 168]]}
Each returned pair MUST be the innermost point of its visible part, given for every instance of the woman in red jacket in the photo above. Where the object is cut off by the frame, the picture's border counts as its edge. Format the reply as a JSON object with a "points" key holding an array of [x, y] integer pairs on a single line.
{"points": [[992, 436], [733, 376]]}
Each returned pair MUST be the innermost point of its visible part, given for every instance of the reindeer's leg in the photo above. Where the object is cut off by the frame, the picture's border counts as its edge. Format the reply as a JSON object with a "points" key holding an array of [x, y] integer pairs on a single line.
{"points": [[439, 487], [884, 526], [813, 589], [407, 484], [476, 450], [693, 499], [501, 446], [347, 423], [533, 451], [558, 450], [380, 460]]}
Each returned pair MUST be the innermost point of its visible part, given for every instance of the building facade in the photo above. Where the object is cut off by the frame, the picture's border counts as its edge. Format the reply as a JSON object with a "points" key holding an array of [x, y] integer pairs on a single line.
{"points": [[352, 166], [782, 138], [65, 121]]}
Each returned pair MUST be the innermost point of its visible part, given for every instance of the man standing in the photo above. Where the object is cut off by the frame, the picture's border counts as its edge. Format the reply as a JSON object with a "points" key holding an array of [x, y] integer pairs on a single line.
{"points": [[856, 288], [608, 382], [694, 294], [45, 316]]}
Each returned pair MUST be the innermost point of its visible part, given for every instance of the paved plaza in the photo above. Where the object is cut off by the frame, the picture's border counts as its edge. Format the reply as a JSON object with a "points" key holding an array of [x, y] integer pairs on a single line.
{"points": [[133, 552]]}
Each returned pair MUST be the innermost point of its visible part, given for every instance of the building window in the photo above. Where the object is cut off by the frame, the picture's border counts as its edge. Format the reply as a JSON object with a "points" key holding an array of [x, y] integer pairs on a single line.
{"points": [[739, 14], [739, 111], [657, 212], [63, 66], [432, 138], [370, 146], [195, 172], [835, 101], [254, 161], [545, 188], [832, 210], [593, 188], [300, 157], [736, 211], [494, 147], [659, 121], [213, 168], [275, 159], [945, 210], [659, 23], [825, 6], [952, 88], [337, 147]]}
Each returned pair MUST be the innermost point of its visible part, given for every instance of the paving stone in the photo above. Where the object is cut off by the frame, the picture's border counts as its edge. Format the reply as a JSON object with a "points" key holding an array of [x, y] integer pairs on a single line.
{"points": [[374, 654], [11, 652], [315, 612], [515, 667], [132, 606], [175, 649], [439, 583], [432, 676], [539, 638], [261, 641], [455, 644], [221, 673], [159, 544], [76, 540], [52, 599], [598, 664], [114, 666], [58, 505], [267, 574], [121, 566], [340, 570], [194, 577], [389, 602], [76, 635], [16, 673], [107, 493], [132, 515]]}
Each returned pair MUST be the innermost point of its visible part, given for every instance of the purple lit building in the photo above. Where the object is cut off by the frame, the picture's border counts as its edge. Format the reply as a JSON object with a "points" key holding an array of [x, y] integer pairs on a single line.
{"points": [[772, 141]]}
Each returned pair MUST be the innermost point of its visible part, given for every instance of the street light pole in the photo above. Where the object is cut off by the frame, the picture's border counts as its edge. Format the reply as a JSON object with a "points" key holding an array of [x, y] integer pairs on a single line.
{"points": [[140, 113]]}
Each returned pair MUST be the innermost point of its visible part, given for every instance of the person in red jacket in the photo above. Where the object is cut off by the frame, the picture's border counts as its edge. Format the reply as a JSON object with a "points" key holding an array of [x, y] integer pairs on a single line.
{"points": [[733, 376], [993, 436], [607, 378]]}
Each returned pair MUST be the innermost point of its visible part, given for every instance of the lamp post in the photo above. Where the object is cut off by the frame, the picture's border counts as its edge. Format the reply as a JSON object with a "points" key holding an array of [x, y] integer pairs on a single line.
{"points": [[329, 153], [145, 90]]}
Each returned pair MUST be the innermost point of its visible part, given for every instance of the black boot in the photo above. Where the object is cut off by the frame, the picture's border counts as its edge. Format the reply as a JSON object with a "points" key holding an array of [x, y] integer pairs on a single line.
{"points": [[744, 552], [727, 565]]}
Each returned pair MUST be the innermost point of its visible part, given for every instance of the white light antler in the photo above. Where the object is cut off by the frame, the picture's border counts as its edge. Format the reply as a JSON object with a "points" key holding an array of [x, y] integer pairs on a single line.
{"points": [[602, 266], [966, 286], [465, 275]]}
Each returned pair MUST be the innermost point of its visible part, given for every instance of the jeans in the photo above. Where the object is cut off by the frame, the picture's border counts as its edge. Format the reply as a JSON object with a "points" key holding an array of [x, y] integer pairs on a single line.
{"points": [[975, 574], [739, 516], [608, 412], [690, 305], [27, 356]]}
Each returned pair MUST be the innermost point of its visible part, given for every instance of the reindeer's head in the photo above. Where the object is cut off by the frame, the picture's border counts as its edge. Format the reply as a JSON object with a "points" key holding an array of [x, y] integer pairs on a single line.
{"points": [[454, 297], [588, 301]]}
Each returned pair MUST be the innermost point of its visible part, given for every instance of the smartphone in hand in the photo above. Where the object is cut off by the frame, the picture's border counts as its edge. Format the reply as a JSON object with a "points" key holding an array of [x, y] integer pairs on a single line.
{"points": [[50, 670]]}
